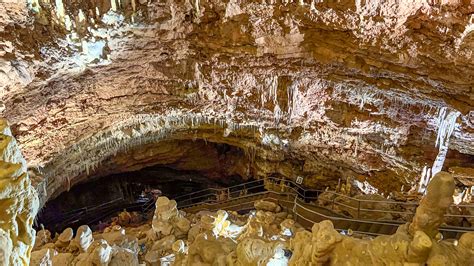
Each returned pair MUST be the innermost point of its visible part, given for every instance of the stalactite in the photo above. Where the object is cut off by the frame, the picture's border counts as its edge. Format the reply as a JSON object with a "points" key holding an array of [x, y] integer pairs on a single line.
{"points": [[90, 152], [446, 122], [113, 5]]}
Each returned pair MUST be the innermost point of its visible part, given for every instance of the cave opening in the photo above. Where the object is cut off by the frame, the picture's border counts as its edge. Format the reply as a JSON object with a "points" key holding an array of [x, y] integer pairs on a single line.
{"points": [[96, 200]]}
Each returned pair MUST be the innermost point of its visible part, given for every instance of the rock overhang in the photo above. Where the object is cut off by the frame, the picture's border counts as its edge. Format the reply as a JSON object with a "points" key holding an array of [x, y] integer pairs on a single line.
{"points": [[349, 88]]}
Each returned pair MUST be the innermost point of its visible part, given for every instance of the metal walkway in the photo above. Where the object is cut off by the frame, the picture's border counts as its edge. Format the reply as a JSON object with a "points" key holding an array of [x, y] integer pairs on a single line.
{"points": [[305, 205], [301, 203]]}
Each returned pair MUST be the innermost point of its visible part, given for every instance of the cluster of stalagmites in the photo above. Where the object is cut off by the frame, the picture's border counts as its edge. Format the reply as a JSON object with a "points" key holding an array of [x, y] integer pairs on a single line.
{"points": [[267, 236], [204, 238]]}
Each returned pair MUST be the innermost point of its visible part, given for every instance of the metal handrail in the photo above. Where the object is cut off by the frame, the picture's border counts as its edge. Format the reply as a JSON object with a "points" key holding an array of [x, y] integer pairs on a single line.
{"points": [[75, 213], [394, 223], [297, 205], [292, 188], [359, 201], [217, 189], [214, 203]]}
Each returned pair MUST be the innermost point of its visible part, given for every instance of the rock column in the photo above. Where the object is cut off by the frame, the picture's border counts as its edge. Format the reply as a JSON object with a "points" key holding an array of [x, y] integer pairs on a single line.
{"points": [[18, 203]]}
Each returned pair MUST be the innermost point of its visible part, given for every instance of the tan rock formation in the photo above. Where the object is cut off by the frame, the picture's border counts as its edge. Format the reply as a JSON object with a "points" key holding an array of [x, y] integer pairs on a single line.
{"points": [[18, 203], [42, 237], [267, 239], [168, 220], [64, 238], [430, 214], [42, 257], [83, 239], [415, 243], [267, 206]]}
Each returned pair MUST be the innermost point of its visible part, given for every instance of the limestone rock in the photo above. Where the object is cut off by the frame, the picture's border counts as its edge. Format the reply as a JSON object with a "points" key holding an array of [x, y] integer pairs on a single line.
{"points": [[64, 238], [83, 238], [101, 253], [257, 252], [42, 237], [43, 257], [287, 227], [430, 214], [166, 210], [266, 205], [63, 259], [206, 249], [123, 257], [289, 71], [182, 226], [18, 202], [412, 244]]}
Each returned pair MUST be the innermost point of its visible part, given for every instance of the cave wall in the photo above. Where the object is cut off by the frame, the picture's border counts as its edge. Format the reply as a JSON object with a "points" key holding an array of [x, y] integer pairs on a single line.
{"points": [[321, 89]]}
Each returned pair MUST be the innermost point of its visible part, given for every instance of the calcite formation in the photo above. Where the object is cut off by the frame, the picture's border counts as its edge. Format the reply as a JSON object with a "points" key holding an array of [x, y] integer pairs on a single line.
{"points": [[371, 90], [266, 236], [18, 203], [415, 243], [84, 249], [377, 93]]}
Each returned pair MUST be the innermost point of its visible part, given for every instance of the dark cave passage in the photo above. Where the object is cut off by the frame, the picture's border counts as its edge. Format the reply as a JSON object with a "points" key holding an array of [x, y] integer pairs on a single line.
{"points": [[98, 199]]}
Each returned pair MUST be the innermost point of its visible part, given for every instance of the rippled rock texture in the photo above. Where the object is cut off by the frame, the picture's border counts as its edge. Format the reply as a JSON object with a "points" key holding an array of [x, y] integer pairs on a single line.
{"points": [[318, 89]]}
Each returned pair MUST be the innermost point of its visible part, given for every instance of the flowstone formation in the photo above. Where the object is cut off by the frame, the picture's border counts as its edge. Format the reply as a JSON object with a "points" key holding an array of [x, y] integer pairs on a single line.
{"points": [[18, 203], [268, 235]]}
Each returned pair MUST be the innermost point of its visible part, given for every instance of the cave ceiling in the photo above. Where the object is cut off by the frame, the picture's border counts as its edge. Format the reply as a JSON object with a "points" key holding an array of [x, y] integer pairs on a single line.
{"points": [[319, 89]]}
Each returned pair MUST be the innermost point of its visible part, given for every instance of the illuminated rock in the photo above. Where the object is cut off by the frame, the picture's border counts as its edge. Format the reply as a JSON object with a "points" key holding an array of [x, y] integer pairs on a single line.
{"points": [[63, 259], [207, 249], [42, 237], [83, 239], [42, 257], [430, 214], [123, 257], [266, 205], [258, 252], [165, 212], [414, 243], [64, 238], [18, 203]]}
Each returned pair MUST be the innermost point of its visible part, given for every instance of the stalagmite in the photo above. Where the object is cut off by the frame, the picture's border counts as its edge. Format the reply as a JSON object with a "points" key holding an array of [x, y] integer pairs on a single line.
{"points": [[83, 239], [430, 214]]}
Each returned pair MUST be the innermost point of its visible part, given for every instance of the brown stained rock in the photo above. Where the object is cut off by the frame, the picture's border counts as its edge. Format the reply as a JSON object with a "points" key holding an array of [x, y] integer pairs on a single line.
{"points": [[214, 239], [464, 175]]}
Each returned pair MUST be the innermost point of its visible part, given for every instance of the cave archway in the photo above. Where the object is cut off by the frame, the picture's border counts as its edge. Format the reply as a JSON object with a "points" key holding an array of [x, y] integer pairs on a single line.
{"points": [[171, 168]]}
